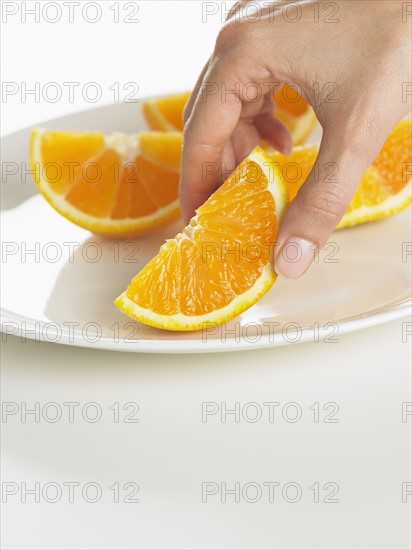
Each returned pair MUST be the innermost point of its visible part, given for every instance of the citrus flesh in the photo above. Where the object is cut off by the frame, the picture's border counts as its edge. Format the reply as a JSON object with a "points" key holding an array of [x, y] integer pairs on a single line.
{"points": [[116, 185], [220, 264], [384, 189]]}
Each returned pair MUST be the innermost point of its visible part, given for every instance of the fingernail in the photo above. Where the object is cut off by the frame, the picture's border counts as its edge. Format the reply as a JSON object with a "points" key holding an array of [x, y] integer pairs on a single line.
{"points": [[294, 258]]}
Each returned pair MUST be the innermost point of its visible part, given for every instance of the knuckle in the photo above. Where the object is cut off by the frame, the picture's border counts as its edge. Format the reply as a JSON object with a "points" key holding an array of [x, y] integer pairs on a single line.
{"points": [[226, 35], [235, 32]]}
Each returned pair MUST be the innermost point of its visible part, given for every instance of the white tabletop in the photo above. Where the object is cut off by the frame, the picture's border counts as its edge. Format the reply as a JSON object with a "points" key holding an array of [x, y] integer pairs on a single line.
{"points": [[317, 452]]}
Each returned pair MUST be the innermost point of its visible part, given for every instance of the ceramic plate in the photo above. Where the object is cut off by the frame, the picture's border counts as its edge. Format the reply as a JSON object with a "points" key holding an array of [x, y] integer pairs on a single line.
{"points": [[59, 281]]}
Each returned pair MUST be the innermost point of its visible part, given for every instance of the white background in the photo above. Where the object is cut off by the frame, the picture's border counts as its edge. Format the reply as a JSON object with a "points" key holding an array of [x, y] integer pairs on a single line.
{"points": [[170, 452]]}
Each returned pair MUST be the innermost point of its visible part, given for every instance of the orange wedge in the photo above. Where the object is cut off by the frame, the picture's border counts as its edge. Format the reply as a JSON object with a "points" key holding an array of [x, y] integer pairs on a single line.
{"points": [[384, 189], [165, 113], [118, 185], [220, 264]]}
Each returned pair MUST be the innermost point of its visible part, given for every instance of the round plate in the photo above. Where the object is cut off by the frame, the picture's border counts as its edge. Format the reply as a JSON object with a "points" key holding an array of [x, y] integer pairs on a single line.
{"points": [[59, 281]]}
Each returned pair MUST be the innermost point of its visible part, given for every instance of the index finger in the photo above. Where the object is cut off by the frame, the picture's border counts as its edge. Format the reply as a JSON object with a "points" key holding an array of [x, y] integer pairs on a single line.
{"points": [[214, 117], [189, 105]]}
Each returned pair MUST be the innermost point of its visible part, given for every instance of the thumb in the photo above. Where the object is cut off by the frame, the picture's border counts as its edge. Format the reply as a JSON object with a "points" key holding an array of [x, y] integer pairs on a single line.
{"points": [[322, 200]]}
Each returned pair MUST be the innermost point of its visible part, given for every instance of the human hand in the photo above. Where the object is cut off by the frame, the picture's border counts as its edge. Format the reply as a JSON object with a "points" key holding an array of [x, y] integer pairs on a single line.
{"points": [[364, 52]]}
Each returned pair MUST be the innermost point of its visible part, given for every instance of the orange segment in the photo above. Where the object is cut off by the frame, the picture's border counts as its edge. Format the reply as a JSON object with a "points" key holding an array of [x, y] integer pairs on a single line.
{"points": [[204, 287], [394, 162], [372, 191], [165, 113], [288, 99], [145, 288], [162, 150], [121, 185], [160, 182], [220, 264], [67, 152], [122, 205], [141, 203], [95, 191], [384, 189]]}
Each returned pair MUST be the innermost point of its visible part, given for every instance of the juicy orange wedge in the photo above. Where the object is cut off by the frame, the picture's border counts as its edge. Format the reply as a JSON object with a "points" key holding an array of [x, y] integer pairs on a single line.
{"points": [[220, 264], [118, 185], [384, 189]]}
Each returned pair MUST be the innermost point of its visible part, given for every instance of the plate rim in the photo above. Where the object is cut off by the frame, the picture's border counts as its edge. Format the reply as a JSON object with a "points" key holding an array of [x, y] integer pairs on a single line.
{"points": [[402, 309]]}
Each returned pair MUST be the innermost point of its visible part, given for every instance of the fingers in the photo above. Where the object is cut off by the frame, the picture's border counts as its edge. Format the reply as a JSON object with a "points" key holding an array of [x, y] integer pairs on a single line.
{"points": [[244, 139], [272, 129], [222, 128], [189, 105], [257, 122], [274, 132], [211, 124], [321, 202], [246, 136]]}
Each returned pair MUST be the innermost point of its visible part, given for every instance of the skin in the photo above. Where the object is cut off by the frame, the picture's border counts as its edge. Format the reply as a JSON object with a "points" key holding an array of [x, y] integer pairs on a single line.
{"points": [[365, 53]]}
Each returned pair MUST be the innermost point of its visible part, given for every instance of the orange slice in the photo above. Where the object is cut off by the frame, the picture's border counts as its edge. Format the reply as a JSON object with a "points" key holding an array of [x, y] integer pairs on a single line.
{"points": [[220, 264], [118, 185], [165, 113], [384, 189]]}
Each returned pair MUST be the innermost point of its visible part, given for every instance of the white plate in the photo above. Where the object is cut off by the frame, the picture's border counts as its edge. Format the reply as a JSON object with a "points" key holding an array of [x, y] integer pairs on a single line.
{"points": [[363, 277]]}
